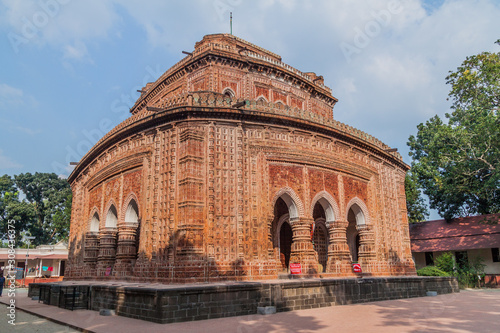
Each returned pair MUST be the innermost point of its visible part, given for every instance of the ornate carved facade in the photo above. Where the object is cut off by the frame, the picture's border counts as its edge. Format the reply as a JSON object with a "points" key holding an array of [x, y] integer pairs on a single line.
{"points": [[231, 166]]}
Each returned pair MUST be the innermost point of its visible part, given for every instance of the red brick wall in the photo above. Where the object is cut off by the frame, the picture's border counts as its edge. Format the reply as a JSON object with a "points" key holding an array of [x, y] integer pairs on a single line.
{"points": [[355, 188], [205, 185]]}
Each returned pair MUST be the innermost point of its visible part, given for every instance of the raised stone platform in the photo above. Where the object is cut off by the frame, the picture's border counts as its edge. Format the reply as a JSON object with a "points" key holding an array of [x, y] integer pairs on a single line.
{"points": [[176, 303]]}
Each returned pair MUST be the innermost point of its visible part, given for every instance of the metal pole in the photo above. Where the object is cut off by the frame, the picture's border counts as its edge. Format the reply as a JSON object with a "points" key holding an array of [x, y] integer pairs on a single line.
{"points": [[29, 238], [231, 23], [26, 265]]}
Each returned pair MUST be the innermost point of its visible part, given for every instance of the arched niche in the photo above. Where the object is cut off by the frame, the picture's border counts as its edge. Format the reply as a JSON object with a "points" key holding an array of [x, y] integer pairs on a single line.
{"points": [[111, 217], [132, 212], [261, 99], [228, 92], [94, 223]]}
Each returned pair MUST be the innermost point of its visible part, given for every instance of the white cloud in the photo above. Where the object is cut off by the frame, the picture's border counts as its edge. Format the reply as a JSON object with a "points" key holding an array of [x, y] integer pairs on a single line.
{"points": [[8, 163], [11, 97], [28, 131], [174, 25], [77, 51], [63, 24]]}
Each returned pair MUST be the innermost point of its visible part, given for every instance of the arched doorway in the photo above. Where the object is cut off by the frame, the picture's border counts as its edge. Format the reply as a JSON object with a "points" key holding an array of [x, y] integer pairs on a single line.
{"points": [[285, 210], [285, 245], [320, 239], [355, 217]]}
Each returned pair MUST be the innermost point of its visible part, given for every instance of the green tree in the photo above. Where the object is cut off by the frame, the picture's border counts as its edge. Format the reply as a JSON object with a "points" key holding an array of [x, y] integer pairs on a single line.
{"points": [[457, 162], [415, 204], [8, 193], [445, 262], [12, 209], [50, 199]]}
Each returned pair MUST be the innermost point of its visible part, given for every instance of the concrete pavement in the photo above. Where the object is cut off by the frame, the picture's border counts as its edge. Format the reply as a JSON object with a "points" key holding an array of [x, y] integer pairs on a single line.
{"points": [[468, 311]]}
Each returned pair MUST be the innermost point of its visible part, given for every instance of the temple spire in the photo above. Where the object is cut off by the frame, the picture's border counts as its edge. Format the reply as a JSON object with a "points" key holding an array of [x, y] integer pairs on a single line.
{"points": [[231, 22]]}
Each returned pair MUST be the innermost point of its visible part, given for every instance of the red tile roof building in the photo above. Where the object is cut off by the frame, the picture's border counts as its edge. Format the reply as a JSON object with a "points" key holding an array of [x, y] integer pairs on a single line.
{"points": [[471, 236], [232, 166]]}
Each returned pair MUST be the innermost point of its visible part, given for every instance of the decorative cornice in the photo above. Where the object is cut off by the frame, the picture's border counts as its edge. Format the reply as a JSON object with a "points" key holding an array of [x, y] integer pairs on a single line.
{"points": [[215, 105]]}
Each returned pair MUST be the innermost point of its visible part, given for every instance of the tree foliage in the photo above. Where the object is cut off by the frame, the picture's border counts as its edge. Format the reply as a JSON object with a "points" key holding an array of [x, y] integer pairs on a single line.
{"points": [[415, 204], [457, 162], [431, 271], [445, 262], [40, 205]]}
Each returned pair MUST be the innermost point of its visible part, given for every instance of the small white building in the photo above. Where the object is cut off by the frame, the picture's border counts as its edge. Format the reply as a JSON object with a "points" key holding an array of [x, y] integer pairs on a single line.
{"points": [[47, 261]]}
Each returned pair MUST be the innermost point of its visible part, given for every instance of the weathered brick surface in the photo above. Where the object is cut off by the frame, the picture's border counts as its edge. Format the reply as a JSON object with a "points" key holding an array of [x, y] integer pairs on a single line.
{"points": [[208, 177]]}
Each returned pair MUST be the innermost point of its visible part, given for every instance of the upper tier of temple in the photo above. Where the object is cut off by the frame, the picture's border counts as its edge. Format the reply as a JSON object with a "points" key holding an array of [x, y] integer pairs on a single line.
{"points": [[226, 64]]}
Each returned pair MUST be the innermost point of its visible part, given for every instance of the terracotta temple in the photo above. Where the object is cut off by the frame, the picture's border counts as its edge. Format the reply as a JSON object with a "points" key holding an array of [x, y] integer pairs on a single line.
{"points": [[232, 167]]}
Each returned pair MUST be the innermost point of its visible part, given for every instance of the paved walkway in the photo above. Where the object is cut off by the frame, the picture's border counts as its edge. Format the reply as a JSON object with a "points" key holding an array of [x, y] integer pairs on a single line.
{"points": [[468, 311]]}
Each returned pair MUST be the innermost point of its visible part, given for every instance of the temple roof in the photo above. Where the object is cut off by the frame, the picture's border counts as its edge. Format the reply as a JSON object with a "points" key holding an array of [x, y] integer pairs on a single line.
{"points": [[237, 49], [474, 232]]}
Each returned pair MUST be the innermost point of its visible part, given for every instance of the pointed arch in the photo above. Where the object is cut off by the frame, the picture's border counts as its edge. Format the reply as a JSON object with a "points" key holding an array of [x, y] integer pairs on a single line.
{"points": [[111, 215], [280, 104], [292, 200], [131, 209], [132, 213], [326, 200], [360, 211], [261, 98], [94, 221], [228, 92]]}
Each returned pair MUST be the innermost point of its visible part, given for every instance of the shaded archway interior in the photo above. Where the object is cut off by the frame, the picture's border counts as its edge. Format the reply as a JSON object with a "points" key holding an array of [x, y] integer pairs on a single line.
{"points": [[356, 218], [284, 232], [320, 239]]}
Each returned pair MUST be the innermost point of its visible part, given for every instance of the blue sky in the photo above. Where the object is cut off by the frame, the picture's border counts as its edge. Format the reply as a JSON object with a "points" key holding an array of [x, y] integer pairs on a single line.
{"points": [[70, 68]]}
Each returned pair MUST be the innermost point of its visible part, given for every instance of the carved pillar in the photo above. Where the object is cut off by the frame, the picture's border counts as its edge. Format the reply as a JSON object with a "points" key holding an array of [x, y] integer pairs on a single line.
{"points": [[126, 249], [107, 251], [366, 254], [91, 252], [302, 247], [338, 250]]}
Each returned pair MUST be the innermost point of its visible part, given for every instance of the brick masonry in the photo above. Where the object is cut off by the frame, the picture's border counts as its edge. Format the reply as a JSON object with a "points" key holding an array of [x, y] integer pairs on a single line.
{"points": [[189, 187], [206, 301]]}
